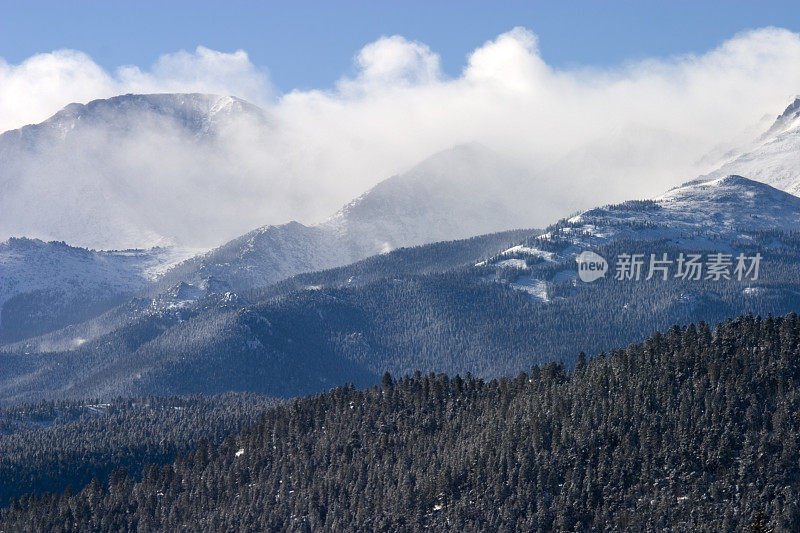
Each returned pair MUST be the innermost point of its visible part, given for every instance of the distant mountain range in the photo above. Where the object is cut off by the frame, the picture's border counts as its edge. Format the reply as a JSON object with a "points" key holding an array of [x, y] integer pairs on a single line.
{"points": [[89, 175], [261, 313], [465, 191], [430, 309], [194, 170], [113, 347]]}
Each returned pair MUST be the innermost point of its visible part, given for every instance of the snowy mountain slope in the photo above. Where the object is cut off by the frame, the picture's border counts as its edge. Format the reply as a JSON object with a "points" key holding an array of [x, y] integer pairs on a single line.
{"points": [[260, 257], [455, 194], [714, 216], [774, 158], [184, 300], [196, 170], [131, 171], [465, 191], [696, 212], [108, 342], [44, 286], [490, 317]]}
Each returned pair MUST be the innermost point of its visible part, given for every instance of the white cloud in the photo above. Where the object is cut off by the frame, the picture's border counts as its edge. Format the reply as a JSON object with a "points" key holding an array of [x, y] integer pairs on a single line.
{"points": [[591, 135], [613, 133], [205, 70], [41, 85], [511, 62], [44, 83], [392, 61]]}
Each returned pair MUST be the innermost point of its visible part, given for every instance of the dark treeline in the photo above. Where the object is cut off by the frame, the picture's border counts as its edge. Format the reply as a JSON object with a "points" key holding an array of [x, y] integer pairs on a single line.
{"points": [[50, 445], [692, 430]]}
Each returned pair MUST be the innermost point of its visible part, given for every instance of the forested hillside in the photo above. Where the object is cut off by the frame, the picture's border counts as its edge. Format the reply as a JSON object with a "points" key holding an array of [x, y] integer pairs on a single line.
{"points": [[468, 319], [49, 445], [414, 260], [692, 430]]}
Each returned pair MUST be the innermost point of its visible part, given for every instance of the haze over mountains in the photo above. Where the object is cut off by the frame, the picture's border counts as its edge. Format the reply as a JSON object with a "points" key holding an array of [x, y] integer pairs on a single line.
{"points": [[487, 315], [103, 175], [773, 158], [455, 194], [195, 170], [221, 310]]}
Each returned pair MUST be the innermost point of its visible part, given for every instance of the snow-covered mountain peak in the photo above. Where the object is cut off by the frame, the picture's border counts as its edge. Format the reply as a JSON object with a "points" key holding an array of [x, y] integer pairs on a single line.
{"points": [[774, 158], [135, 171], [718, 215], [791, 112], [789, 119], [463, 191], [733, 201], [793, 109], [699, 214], [717, 188], [196, 112]]}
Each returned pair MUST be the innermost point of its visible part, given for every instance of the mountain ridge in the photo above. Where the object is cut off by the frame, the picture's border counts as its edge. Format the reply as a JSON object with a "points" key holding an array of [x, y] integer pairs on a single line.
{"points": [[522, 306], [430, 203], [773, 157]]}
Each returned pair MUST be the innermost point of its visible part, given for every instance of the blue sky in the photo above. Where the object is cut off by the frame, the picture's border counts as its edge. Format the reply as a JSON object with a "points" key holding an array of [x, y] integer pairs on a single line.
{"points": [[311, 44]]}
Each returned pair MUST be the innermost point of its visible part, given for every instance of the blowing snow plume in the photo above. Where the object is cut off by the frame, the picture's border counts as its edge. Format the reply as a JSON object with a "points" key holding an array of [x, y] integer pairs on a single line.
{"points": [[157, 175]]}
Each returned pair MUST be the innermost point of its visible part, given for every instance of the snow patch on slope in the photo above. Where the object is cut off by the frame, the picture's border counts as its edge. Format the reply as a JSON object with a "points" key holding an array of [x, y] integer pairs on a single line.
{"points": [[698, 215], [535, 287], [30, 265]]}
